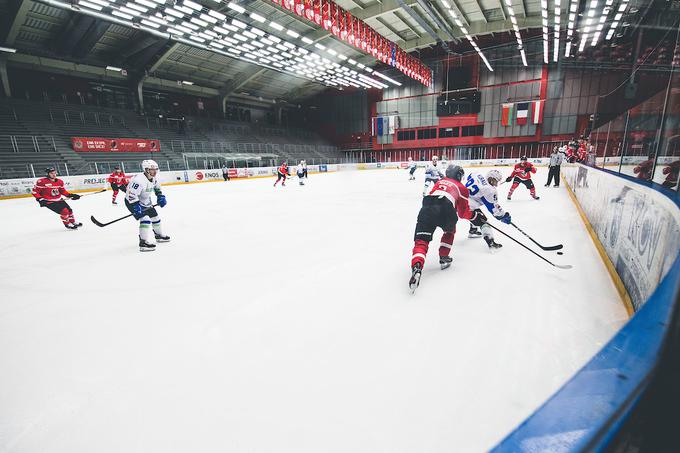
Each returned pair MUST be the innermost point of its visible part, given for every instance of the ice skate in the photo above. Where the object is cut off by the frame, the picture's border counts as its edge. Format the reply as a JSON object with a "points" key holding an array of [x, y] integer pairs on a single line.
{"points": [[537, 198], [493, 245], [71, 226], [162, 238], [474, 232], [416, 270], [146, 246], [445, 262]]}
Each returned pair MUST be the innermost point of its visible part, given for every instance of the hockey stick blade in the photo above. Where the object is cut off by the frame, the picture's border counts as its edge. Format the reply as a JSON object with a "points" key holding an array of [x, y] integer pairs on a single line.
{"points": [[99, 224], [560, 266], [549, 248]]}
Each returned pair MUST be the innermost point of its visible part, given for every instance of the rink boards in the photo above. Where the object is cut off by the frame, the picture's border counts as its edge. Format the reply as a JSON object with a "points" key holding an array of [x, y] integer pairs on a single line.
{"points": [[638, 226], [13, 188]]}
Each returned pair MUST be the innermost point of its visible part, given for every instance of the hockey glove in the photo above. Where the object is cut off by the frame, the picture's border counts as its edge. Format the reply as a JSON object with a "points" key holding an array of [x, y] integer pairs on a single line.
{"points": [[508, 179], [527, 170], [42, 202], [161, 200], [505, 218], [478, 219], [73, 196], [137, 210]]}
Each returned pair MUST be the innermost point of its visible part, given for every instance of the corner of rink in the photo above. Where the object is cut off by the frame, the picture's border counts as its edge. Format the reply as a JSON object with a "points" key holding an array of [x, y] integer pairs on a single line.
{"points": [[286, 311]]}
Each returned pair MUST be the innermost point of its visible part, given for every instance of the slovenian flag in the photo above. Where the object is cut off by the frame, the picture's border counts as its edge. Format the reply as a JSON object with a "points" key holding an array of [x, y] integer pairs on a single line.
{"points": [[537, 116], [522, 113], [507, 114]]}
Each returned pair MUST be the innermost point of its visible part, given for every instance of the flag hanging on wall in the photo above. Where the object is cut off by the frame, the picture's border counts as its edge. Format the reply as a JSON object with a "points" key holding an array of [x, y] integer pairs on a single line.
{"points": [[522, 113], [380, 126], [537, 116], [507, 116]]}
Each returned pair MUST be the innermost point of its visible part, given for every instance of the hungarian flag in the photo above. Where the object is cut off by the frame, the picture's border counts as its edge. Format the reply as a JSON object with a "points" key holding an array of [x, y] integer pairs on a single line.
{"points": [[507, 114], [537, 116], [522, 113]]}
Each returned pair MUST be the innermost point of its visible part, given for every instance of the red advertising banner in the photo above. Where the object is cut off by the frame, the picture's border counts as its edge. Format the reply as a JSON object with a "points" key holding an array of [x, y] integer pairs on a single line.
{"points": [[114, 145]]}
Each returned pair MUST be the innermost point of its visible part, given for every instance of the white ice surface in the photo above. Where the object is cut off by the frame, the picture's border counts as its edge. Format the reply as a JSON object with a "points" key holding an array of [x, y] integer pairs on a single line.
{"points": [[279, 320]]}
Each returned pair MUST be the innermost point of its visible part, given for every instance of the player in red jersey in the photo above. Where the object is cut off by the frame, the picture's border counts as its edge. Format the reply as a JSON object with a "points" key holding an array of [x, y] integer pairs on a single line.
{"points": [[282, 173], [118, 181], [48, 192], [644, 169], [521, 174], [442, 207]]}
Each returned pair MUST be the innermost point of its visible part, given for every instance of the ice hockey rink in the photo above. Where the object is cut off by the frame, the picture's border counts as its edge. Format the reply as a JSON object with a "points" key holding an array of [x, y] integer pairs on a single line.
{"points": [[280, 320]]}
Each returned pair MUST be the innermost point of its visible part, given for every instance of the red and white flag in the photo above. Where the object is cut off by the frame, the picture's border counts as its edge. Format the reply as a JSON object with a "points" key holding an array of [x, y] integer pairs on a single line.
{"points": [[537, 116]]}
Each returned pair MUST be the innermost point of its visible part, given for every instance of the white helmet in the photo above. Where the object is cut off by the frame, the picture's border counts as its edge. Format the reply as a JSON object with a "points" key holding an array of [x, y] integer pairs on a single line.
{"points": [[435, 158], [149, 165], [494, 174]]}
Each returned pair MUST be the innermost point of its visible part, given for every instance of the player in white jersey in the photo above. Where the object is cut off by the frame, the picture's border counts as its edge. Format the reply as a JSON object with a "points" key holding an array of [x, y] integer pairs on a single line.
{"points": [[302, 172], [483, 193], [433, 173], [411, 169], [139, 203]]}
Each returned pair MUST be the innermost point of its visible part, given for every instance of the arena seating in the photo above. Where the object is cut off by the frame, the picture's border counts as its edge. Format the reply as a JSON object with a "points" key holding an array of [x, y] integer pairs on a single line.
{"points": [[40, 133]]}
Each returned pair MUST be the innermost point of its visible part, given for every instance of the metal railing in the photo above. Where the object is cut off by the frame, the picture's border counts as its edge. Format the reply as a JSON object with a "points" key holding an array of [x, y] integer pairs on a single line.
{"points": [[26, 143]]}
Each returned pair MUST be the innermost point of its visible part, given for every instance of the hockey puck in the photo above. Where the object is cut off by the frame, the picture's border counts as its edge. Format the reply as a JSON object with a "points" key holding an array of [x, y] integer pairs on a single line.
{"points": [[560, 253]]}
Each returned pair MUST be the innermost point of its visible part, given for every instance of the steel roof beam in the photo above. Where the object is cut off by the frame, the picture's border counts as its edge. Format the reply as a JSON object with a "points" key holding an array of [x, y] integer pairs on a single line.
{"points": [[477, 28], [15, 21]]}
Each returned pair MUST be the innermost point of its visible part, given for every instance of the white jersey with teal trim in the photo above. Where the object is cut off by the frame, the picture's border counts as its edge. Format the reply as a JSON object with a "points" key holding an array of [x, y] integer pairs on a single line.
{"points": [[433, 172], [412, 164], [140, 189], [483, 194]]}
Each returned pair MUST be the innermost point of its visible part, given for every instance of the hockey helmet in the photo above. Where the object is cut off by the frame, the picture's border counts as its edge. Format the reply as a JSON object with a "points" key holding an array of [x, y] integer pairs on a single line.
{"points": [[455, 172], [495, 175], [49, 170], [435, 158], [149, 165], [523, 158]]}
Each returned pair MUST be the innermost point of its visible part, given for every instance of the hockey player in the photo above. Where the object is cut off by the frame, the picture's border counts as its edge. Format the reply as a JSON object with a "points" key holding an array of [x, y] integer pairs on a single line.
{"points": [[304, 168], [433, 173], [483, 193], [411, 169], [48, 192], [281, 174], [118, 181], [521, 174], [442, 207], [301, 172], [138, 202]]}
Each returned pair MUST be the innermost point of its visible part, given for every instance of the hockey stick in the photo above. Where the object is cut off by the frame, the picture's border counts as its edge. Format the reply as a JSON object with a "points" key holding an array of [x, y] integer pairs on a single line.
{"points": [[93, 193], [561, 266], [549, 248], [99, 224]]}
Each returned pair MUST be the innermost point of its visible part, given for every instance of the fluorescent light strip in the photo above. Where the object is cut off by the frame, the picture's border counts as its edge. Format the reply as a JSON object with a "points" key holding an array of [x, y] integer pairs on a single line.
{"points": [[518, 36], [617, 19], [544, 15], [556, 28]]}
